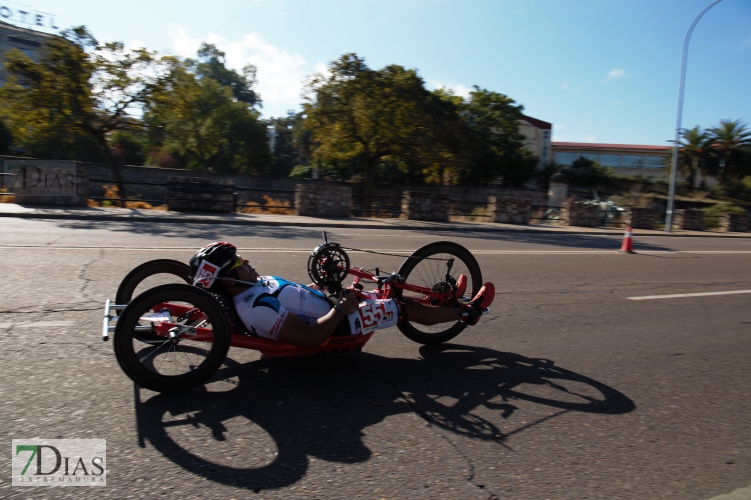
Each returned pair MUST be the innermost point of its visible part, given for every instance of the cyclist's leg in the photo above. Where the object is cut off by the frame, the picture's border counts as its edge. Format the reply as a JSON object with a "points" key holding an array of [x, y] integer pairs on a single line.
{"points": [[424, 314]]}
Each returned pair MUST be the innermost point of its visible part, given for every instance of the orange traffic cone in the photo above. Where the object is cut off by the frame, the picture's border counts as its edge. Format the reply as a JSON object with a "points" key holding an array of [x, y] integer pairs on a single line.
{"points": [[628, 245]]}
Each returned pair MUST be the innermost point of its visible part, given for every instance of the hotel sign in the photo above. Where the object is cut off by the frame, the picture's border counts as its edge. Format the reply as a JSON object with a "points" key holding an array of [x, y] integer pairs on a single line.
{"points": [[19, 14]]}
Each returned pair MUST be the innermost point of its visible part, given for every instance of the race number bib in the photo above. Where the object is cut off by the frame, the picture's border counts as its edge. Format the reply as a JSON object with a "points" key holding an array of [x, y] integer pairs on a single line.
{"points": [[374, 315], [205, 274]]}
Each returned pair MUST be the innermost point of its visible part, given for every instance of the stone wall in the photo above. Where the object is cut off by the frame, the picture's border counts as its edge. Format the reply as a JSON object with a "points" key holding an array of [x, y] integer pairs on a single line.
{"points": [[420, 205], [688, 219], [508, 210], [640, 218], [734, 223], [193, 194], [150, 184], [323, 201], [580, 214]]}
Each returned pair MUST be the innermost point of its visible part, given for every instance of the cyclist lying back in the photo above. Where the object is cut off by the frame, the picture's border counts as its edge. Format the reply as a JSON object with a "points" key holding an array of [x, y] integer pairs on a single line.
{"points": [[302, 315]]}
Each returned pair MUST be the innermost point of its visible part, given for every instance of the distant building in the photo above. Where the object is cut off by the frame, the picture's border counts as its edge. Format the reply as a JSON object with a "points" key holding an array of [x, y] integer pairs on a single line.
{"points": [[537, 136], [626, 159], [26, 40]]}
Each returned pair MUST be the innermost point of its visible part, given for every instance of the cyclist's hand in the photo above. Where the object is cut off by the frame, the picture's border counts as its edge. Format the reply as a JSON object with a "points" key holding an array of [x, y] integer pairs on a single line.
{"points": [[348, 302]]}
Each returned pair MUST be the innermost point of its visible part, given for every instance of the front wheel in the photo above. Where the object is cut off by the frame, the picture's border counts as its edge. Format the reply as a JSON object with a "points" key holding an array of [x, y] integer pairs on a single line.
{"points": [[165, 269], [171, 338], [428, 267]]}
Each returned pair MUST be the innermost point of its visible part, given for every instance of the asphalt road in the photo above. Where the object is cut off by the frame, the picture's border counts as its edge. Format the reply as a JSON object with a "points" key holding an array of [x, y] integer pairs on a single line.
{"points": [[567, 389]]}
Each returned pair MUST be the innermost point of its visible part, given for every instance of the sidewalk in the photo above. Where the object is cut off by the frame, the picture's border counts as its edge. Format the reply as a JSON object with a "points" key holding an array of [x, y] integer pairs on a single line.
{"points": [[160, 216]]}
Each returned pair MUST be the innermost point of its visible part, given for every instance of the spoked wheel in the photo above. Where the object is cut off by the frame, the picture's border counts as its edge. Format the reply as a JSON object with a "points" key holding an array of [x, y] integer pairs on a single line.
{"points": [[174, 270], [427, 267], [171, 338], [152, 273]]}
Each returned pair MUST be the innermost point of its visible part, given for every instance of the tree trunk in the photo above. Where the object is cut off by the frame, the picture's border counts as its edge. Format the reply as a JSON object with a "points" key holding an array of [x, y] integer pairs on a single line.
{"points": [[112, 161]]}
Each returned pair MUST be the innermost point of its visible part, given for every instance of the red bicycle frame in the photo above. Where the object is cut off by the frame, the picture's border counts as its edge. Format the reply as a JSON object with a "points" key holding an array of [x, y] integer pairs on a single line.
{"points": [[387, 285], [276, 348]]}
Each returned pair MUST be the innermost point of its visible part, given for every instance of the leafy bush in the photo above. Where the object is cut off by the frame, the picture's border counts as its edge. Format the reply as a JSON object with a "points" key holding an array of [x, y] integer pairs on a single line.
{"points": [[713, 214], [738, 189]]}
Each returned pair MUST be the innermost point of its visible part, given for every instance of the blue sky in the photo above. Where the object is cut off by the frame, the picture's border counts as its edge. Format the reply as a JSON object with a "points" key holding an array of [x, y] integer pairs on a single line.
{"points": [[599, 70]]}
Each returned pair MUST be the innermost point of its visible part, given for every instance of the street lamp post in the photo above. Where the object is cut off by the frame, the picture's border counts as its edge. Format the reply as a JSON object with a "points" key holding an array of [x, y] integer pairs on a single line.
{"points": [[681, 85]]}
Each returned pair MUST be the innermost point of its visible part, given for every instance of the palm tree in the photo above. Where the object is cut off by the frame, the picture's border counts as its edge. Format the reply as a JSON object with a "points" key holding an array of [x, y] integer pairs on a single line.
{"points": [[731, 145], [693, 150]]}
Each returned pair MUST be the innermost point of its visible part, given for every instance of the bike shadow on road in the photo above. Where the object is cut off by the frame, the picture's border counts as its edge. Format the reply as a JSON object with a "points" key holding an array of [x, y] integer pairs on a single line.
{"points": [[318, 407]]}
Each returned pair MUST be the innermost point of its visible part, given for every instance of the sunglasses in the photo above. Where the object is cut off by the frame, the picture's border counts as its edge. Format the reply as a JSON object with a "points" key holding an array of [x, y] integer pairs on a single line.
{"points": [[238, 263]]}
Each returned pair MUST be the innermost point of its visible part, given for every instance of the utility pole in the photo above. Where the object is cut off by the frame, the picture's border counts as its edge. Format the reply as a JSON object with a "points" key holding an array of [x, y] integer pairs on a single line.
{"points": [[681, 85]]}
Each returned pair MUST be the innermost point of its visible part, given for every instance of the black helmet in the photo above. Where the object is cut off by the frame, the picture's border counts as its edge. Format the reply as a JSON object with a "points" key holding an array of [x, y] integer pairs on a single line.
{"points": [[209, 262]]}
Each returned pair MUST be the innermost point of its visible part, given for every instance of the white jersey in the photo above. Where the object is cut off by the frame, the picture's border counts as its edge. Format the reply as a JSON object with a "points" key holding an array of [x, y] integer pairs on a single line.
{"points": [[264, 306]]}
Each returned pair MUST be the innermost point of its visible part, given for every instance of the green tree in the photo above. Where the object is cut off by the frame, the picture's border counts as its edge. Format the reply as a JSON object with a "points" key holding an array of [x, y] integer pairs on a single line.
{"points": [[585, 173], [128, 147], [211, 64], [731, 144], [497, 150], [201, 125], [84, 86], [694, 147], [375, 115]]}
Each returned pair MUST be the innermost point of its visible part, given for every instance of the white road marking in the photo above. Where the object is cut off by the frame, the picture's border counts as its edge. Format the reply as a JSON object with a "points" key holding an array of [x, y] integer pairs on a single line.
{"points": [[682, 295], [739, 494]]}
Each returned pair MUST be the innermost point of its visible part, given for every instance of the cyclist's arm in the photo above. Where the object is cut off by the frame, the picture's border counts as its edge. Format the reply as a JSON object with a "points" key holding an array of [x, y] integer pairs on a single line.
{"points": [[294, 331]]}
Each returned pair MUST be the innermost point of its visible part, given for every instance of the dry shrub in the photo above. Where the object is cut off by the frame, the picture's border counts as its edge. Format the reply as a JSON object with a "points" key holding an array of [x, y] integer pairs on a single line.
{"points": [[7, 198], [383, 215], [113, 192], [270, 206]]}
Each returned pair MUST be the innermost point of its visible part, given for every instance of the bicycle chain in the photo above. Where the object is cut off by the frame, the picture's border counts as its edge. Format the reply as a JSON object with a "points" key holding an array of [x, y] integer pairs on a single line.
{"points": [[389, 254]]}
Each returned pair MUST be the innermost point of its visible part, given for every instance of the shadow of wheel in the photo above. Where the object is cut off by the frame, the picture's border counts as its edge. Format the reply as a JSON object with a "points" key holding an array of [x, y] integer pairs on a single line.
{"points": [[152, 427], [502, 379]]}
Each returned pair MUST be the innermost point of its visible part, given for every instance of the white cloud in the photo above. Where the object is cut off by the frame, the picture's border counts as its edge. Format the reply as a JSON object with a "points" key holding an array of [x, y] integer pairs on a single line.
{"points": [[617, 103], [456, 88], [590, 138], [559, 138], [614, 74], [281, 74], [564, 85]]}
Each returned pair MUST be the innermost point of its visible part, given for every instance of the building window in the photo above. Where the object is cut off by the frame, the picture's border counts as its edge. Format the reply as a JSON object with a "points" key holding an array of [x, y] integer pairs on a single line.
{"points": [[565, 158], [590, 156], [655, 162], [632, 161], [610, 160], [23, 41]]}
